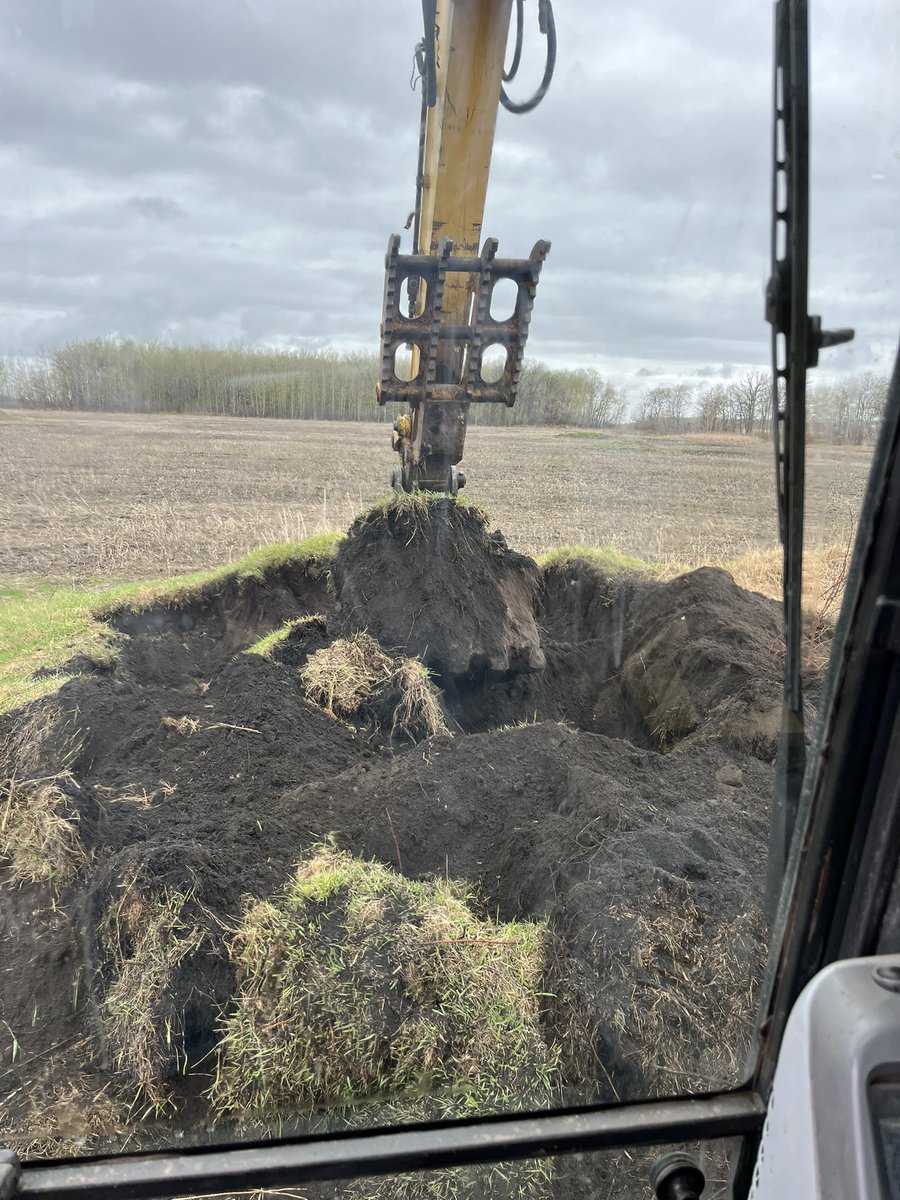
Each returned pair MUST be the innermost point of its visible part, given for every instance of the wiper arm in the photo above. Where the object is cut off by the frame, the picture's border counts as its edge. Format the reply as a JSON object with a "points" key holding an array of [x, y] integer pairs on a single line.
{"points": [[797, 339]]}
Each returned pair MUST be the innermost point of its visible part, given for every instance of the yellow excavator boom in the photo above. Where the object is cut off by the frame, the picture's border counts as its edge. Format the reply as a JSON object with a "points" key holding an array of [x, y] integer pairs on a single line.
{"points": [[447, 320]]}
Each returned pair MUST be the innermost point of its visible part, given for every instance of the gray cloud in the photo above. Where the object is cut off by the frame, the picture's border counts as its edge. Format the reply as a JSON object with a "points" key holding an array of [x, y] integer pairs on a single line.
{"points": [[231, 169]]}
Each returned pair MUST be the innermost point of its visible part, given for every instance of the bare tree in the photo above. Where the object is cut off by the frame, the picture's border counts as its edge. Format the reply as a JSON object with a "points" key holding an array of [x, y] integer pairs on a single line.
{"points": [[712, 408], [665, 409], [751, 393]]}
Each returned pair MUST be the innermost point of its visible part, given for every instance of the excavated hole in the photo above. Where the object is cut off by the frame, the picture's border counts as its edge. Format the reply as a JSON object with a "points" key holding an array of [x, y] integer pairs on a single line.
{"points": [[176, 645], [626, 780]]}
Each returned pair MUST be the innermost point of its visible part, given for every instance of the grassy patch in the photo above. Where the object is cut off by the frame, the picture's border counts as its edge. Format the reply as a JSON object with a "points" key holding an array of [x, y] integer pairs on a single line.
{"points": [[359, 986], [44, 626], [589, 435], [39, 831], [271, 641], [604, 559], [38, 819]]}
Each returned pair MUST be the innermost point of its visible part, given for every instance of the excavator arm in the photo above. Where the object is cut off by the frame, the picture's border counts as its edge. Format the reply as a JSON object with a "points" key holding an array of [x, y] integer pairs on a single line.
{"points": [[437, 324]]}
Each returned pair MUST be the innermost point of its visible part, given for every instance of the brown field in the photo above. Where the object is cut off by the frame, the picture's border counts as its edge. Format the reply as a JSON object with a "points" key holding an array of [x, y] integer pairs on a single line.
{"points": [[89, 496]]}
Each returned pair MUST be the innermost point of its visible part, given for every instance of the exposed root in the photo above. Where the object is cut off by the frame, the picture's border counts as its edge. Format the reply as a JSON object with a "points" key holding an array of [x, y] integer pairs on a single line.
{"points": [[183, 725]]}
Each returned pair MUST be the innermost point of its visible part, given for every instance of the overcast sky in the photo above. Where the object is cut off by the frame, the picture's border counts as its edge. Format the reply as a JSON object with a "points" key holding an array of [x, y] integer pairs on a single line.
{"points": [[231, 170]]}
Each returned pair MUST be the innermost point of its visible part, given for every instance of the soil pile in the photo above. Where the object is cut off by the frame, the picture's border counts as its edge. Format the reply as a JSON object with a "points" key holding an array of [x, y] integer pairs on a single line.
{"points": [[617, 799], [426, 577]]}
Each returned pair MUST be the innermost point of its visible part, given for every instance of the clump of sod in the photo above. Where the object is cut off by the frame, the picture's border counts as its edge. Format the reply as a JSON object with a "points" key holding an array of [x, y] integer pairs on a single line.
{"points": [[690, 1006], [359, 986], [354, 680]]}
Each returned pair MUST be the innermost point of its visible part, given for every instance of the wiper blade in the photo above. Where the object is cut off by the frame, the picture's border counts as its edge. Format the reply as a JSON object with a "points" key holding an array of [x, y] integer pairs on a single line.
{"points": [[797, 338]]}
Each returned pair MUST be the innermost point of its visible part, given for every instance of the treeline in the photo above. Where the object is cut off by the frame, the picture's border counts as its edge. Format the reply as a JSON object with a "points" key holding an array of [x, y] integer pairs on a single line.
{"points": [[112, 375], [847, 412]]}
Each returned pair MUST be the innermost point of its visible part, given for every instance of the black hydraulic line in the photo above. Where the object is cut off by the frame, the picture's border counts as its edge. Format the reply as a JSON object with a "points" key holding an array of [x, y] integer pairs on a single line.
{"points": [[429, 78], [548, 28], [513, 71], [420, 175], [426, 63]]}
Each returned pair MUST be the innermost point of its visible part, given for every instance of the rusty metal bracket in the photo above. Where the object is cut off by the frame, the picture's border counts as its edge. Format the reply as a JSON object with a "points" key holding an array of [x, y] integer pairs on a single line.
{"points": [[463, 344]]}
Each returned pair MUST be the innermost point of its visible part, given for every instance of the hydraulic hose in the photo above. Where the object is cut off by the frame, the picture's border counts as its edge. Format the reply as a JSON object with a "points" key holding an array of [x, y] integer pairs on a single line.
{"points": [[548, 28]]}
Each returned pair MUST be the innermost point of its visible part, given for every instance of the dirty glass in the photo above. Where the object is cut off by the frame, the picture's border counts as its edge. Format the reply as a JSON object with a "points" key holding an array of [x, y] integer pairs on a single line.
{"points": [[327, 805]]}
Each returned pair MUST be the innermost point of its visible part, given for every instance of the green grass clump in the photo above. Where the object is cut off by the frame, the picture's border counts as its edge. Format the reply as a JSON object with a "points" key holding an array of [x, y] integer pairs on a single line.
{"points": [[605, 559], [590, 435], [357, 985], [149, 935], [273, 640], [43, 626]]}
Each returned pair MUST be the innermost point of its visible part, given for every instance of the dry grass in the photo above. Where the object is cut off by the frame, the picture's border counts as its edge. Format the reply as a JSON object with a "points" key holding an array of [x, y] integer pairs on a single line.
{"points": [[343, 676], [353, 679], [71, 1114], [39, 830], [146, 933], [186, 726], [824, 579], [213, 488], [691, 1002], [38, 821]]}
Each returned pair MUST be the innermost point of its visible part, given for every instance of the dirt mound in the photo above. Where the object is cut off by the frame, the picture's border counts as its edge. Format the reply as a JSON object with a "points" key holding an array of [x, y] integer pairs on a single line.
{"points": [[426, 577], [147, 810], [702, 655]]}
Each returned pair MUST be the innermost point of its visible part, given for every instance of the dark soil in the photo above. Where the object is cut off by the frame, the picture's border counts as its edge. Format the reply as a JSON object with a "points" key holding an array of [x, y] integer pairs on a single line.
{"points": [[622, 793], [428, 579]]}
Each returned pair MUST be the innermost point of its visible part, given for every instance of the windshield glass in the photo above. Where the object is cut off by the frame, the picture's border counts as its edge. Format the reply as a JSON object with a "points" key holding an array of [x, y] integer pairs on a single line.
{"points": [[366, 762]]}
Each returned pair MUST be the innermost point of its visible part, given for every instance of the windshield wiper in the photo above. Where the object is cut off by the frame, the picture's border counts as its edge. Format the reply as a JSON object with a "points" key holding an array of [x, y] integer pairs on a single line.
{"points": [[797, 339]]}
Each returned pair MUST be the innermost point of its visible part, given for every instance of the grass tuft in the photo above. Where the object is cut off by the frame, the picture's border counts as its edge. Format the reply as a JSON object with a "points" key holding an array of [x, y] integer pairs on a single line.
{"points": [[353, 679], [357, 985], [606, 560], [39, 830], [38, 819], [314, 623], [411, 513], [147, 933]]}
